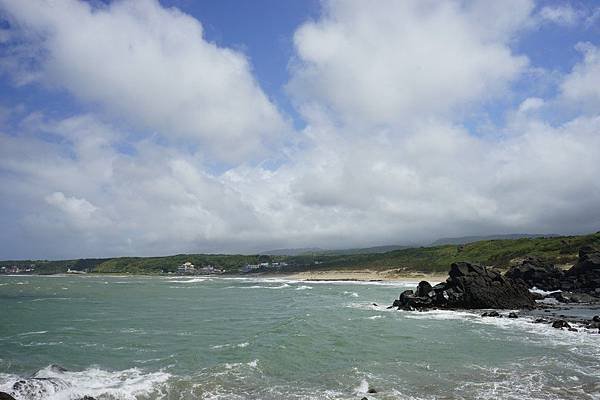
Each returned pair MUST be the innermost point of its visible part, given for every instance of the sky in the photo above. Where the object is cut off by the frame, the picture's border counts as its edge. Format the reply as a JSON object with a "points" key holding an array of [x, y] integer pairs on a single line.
{"points": [[146, 127]]}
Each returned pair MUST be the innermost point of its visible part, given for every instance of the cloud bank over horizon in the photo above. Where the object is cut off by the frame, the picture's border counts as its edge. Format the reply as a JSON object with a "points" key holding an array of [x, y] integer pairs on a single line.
{"points": [[410, 121]]}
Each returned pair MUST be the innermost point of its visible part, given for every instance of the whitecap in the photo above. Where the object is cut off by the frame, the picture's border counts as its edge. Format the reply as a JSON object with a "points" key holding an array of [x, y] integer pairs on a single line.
{"points": [[252, 364], [542, 292], [32, 333], [362, 388], [226, 345], [193, 280], [126, 384]]}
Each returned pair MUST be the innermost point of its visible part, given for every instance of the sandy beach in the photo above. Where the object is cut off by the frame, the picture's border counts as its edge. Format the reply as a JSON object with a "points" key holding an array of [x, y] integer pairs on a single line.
{"points": [[366, 275]]}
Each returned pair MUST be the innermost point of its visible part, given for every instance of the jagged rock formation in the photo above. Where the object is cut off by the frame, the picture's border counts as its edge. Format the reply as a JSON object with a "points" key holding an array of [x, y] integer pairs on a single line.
{"points": [[469, 286], [581, 283], [537, 273]]}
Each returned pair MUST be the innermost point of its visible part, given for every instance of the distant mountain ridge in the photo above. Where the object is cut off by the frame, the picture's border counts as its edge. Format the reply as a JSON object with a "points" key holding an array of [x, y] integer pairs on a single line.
{"points": [[320, 251], [473, 239]]}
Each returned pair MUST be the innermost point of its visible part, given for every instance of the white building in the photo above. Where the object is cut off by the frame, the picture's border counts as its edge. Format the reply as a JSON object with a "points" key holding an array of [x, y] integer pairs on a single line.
{"points": [[186, 268]]}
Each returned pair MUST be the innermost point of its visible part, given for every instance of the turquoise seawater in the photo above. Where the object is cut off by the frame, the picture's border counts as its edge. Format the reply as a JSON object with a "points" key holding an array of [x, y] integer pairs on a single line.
{"points": [[252, 338]]}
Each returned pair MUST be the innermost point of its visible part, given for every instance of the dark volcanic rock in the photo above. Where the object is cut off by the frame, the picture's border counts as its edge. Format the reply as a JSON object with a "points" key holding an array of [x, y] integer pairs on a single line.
{"points": [[37, 388], [589, 260], [584, 276], [491, 314], [6, 396], [513, 315], [560, 324], [580, 284], [423, 289], [473, 286], [537, 273], [469, 286]]}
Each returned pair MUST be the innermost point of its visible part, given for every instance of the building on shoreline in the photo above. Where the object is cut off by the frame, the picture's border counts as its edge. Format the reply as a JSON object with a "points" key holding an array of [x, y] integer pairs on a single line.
{"points": [[186, 268], [15, 269]]}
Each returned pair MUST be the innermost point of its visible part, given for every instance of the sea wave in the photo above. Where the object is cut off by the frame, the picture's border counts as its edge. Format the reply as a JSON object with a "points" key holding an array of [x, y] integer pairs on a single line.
{"points": [[54, 383], [32, 333], [229, 345], [193, 280]]}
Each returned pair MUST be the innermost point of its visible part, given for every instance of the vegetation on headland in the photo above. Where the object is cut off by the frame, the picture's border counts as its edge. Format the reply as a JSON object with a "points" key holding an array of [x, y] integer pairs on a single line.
{"points": [[498, 253]]}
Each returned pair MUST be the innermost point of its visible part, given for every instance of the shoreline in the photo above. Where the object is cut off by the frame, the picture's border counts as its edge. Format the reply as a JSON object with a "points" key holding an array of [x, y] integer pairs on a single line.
{"points": [[350, 275], [362, 275]]}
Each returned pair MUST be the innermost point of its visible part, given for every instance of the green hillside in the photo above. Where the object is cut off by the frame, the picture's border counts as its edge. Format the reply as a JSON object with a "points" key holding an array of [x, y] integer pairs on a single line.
{"points": [[499, 253]]}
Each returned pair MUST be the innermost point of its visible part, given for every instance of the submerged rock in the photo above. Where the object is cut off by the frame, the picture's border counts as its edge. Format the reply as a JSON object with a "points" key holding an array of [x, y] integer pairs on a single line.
{"points": [[491, 314], [560, 324], [469, 286], [38, 388]]}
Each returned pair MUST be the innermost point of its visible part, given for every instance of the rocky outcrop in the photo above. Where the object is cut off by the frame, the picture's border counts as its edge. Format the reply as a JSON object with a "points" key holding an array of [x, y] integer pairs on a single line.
{"points": [[580, 284], [584, 276], [6, 396], [535, 272], [469, 286], [38, 388]]}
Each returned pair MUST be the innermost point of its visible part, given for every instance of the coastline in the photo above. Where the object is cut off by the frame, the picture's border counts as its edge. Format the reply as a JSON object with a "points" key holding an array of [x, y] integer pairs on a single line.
{"points": [[363, 275]]}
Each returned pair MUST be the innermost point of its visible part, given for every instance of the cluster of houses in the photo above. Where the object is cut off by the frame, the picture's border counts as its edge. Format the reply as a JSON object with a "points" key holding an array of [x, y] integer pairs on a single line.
{"points": [[248, 268], [187, 268], [15, 269]]}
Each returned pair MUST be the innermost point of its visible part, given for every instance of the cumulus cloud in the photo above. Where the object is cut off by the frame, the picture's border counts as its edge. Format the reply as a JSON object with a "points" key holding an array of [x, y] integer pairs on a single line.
{"points": [[387, 156], [563, 14], [582, 84], [394, 62], [148, 64]]}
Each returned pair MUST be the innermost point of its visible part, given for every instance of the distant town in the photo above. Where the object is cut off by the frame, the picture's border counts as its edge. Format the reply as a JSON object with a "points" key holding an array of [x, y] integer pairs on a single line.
{"points": [[187, 268]]}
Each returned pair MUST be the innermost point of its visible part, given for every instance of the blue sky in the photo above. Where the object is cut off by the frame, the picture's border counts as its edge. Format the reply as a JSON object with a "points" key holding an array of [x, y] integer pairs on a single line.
{"points": [[182, 126]]}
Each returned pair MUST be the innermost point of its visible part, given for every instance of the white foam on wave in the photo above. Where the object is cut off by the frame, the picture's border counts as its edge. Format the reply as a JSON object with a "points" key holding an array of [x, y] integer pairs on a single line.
{"points": [[226, 345], [127, 384], [283, 286], [41, 344], [32, 333], [362, 388], [542, 292], [440, 315], [251, 364], [193, 280], [304, 287], [51, 298], [352, 294], [369, 307], [375, 317]]}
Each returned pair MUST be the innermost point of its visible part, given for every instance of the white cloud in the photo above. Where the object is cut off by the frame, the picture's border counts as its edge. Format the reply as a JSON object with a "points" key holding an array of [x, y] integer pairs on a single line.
{"points": [[390, 62], [386, 156], [77, 210], [582, 84], [531, 104], [563, 14], [149, 65]]}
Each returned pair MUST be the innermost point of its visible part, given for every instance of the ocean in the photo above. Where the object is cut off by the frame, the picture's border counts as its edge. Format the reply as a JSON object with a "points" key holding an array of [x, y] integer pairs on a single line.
{"points": [[139, 337]]}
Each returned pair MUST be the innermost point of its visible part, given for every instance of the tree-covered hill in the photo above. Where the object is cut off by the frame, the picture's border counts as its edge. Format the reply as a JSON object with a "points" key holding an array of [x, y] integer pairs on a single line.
{"points": [[499, 253]]}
